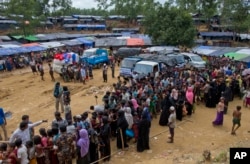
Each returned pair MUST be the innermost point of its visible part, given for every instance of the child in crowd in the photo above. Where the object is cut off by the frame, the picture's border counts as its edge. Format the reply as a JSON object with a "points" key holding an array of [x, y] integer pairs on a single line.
{"points": [[31, 152]]}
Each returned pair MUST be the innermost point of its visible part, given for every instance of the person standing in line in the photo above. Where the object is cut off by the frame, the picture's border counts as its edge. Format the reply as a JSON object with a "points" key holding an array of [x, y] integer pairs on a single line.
{"points": [[51, 72], [83, 74], [22, 153], [236, 119], [58, 95], [3, 124], [112, 69], [172, 124], [104, 73], [64, 146], [90, 71], [66, 103], [41, 70]]}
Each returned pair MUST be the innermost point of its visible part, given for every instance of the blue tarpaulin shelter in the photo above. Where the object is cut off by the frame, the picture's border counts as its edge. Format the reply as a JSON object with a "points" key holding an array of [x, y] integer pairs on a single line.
{"points": [[35, 48], [71, 42]]}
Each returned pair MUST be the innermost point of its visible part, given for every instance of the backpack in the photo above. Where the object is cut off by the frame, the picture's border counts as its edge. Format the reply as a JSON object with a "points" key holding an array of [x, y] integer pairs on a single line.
{"points": [[56, 92]]}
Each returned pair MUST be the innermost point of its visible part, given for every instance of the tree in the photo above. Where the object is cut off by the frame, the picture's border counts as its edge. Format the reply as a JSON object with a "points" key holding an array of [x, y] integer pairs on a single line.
{"points": [[188, 5], [169, 25], [208, 8], [23, 11], [235, 13], [61, 7]]}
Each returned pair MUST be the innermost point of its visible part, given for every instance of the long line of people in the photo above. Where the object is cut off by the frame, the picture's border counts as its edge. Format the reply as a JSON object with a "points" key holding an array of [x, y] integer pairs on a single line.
{"points": [[126, 113]]}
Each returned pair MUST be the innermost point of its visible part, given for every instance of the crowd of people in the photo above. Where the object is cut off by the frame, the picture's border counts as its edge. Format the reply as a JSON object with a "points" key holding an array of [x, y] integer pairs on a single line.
{"points": [[126, 114]]}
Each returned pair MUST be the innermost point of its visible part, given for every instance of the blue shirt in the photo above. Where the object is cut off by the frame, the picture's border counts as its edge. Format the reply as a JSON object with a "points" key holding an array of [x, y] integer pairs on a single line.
{"points": [[2, 116]]}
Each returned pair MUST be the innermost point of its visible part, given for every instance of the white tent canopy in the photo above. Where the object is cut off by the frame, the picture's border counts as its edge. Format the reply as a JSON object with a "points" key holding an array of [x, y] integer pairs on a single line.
{"points": [[51, 44]]}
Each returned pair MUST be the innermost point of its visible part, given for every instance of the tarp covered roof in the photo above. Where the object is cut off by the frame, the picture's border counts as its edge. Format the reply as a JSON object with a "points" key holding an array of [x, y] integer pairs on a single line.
{"points": [[135, 42], [106, 42], [10, 42], [217, 34], [71, 42], [9, 46], [223, 51], [244, 51], [85, 41], [31, 38], [237, 56], [2, 37], [30, 44], [51, 44]]}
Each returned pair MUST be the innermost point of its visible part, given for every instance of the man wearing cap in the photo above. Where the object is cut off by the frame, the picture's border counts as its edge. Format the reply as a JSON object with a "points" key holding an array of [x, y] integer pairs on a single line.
{"points": [[171, 124]]}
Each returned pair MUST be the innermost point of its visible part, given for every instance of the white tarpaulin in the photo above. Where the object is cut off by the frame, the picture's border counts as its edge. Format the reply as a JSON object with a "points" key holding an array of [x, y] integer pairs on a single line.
{"points": [[51, 44], [9, 46], [204, 51], [244, 51]]}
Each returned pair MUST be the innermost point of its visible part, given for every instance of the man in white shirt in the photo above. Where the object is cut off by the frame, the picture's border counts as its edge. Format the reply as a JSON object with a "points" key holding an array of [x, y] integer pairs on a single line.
{"points": [[22, 154], [23, 132]]}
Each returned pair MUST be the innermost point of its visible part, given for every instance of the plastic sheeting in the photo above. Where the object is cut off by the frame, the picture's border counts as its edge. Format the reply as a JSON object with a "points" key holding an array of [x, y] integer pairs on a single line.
{"points": [[244, 51], [223, 51], [85, 42], [106, 42], [217, 34], [51, 44], [71, 42]]}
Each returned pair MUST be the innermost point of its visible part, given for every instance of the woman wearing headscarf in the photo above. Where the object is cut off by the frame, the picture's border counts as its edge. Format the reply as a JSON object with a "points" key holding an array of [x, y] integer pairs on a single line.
{"points": [[143, 135], [165, 104], [83, 147], [122, 125], [105, 139], [190, 100], [129, 117]]}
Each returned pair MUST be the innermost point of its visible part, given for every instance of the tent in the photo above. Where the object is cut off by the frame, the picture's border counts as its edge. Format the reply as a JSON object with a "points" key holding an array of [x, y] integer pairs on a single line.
{"points": [[51, 44], [135, 42]]}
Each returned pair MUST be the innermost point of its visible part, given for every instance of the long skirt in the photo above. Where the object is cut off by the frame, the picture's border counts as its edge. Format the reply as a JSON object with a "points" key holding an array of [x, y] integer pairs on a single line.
{"points": [[219, 118]]}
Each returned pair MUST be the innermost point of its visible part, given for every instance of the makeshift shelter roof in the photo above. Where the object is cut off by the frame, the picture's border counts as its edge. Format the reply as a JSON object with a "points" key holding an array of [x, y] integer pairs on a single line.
{"points": [[246, 59], [31, 38], [21, 50], [30, 44], [43, 37], [7, 51], [11, 42], [244, 36], [237, 56], [223, 51], [244, 51], [85, 41], [106, 42], [9, 46], [71, 42], [206, 50], [35, 48], [217, 34], [2, 37], [17, 36], [135, 42], [51, 44]]}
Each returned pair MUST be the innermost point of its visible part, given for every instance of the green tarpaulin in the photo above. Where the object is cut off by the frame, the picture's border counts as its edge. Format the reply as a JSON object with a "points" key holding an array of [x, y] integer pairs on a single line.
{"points": [[31, 38], [18, 37], [236, 56]]}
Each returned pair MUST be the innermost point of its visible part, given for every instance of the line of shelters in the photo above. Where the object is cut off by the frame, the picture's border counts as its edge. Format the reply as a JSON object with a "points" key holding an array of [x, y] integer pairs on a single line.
{"points": [[40, 43], [236, 53]]}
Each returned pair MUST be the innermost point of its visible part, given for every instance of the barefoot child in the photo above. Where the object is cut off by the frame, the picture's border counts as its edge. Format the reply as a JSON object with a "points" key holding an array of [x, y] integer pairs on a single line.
{"points": [[236, 119]]}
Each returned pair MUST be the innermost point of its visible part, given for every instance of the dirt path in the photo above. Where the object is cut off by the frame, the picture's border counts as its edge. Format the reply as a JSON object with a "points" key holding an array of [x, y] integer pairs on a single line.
{"points": [[21, 92]]}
